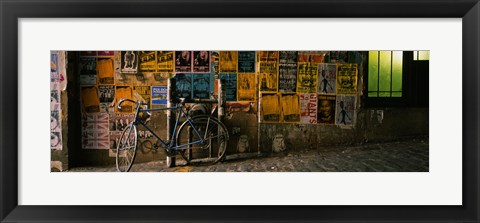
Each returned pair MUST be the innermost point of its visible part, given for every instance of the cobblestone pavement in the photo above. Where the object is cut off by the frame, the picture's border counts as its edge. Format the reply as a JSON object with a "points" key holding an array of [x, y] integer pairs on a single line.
{"points": [[410, 155]]}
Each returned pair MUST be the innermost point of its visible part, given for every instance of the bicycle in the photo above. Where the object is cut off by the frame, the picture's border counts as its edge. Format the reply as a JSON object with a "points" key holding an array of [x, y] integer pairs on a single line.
{"points": [[199, 139]]}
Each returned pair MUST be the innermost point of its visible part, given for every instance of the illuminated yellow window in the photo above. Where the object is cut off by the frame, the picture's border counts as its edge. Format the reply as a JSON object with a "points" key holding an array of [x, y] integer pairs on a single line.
{"points": [[385, 73], [421, 55]]}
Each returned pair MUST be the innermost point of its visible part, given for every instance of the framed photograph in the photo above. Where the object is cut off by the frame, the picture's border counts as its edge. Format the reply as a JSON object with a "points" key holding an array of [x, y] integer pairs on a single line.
{"points": [[113, 35]]}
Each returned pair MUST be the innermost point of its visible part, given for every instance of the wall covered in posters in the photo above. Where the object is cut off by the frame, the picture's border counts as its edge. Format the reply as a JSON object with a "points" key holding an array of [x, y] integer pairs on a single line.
{"points": [[289, 87], [57, 86]]}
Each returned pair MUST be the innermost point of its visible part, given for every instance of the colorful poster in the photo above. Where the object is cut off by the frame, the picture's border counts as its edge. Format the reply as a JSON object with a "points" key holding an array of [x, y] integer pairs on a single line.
{"points": [[270, 107], [347, 79], [307, 78], [287, 71], [228, 61], [118, 122], [327, 73], [246, 87], [290, 107], [124, 92], [95, 122], [159, 96], [107, 93], [201, 86], [165, 61], [201, 61], [148, 62], [129, 61], [230, 86], [120, 78], [314, 57], [88, 71], [246, 61], [54, 66], [90, 99], [183, 61], [345, 107], [183, 86], [142, 93], [308, 108], [326, 109]]}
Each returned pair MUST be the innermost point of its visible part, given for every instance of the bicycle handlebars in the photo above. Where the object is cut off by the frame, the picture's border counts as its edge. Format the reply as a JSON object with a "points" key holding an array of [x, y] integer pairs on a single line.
{"points": [[181, 101]]}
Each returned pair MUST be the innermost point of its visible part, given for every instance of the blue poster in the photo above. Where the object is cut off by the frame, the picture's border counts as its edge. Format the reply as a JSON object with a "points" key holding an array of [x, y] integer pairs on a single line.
{"points": [[246, 61], [230, 85], [159, 95], [201, 86], [183, 86]]}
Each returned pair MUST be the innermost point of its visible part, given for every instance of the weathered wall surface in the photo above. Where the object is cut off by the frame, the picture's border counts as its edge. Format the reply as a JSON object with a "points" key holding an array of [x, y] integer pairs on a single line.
{"points": [[377, 125]]}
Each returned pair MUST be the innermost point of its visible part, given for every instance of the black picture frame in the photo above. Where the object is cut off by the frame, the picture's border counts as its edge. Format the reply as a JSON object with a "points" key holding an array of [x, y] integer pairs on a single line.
{"points": [[11, 11]]}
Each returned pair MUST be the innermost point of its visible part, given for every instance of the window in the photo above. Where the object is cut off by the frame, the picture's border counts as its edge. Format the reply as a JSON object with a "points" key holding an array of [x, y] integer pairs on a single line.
{"points": [[385, 71], [421, 55]]}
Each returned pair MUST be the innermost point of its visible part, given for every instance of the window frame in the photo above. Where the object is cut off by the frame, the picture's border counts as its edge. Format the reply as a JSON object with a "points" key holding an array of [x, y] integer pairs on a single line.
{"points": [[372, 102]]}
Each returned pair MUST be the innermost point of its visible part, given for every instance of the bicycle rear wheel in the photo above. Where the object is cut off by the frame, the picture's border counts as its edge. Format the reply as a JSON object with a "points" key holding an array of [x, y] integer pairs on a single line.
{"points": [[126, 148], [214, 145]]}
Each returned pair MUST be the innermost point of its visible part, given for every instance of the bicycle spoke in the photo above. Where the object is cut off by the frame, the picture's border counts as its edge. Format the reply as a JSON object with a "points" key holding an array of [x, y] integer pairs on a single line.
{"points": [[126, 148]]}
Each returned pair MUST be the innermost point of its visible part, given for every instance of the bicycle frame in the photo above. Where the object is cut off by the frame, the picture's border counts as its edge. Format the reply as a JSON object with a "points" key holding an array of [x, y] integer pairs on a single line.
{"points": [[180, 113]]}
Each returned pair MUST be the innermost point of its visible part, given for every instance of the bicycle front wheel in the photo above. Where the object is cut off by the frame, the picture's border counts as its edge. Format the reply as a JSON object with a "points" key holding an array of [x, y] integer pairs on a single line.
{"points": [[207, 138], [126, 148]]}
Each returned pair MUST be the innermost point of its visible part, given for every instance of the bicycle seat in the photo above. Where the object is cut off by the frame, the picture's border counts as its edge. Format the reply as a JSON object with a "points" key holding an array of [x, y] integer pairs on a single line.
{"points": [[181, 100]]}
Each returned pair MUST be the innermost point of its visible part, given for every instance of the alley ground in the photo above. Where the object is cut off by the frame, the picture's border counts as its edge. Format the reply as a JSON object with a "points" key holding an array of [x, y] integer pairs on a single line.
{"points": [[409, 155]]}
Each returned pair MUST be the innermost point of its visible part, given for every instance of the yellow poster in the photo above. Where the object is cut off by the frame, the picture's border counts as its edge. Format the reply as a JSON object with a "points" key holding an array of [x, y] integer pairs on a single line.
{"points": [[246, 87], [105, 71], [290, 107], [268, 81], [124, 92], [268, 67], [307, 78], [148, 61], [90, 99], [165, 61], [268, 56], [228, 61], [347, 79], [269, 108]]}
